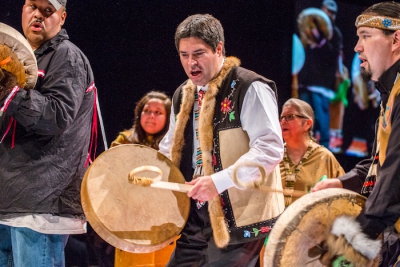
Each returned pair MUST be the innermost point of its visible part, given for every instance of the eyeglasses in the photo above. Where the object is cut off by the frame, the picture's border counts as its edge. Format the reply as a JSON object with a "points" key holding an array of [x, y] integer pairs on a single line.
{"points": [[148, 112], [291, 117]]}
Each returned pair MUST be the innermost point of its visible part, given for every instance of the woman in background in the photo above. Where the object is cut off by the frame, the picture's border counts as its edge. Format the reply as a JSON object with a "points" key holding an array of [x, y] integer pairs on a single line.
{"points": [[305, 162], [150, 124]]}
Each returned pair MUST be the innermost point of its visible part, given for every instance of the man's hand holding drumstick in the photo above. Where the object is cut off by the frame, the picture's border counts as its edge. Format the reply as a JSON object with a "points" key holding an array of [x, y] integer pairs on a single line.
{"points": [[203, 188]]}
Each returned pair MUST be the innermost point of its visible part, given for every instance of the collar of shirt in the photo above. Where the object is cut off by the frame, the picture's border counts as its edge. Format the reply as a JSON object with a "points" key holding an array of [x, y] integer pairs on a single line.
{"points": [[205, 87], [52, 43], [388, 78]]}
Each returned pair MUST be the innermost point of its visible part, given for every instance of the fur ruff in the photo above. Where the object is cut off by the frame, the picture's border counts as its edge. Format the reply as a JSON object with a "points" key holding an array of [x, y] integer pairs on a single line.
{"points": [[217, 217], [14, 66], [188, 94], [347, 239]]}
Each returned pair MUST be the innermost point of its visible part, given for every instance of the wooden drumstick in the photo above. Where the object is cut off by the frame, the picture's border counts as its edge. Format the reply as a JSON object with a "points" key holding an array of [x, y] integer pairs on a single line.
{"points": [[186, 187], [156, 183]]}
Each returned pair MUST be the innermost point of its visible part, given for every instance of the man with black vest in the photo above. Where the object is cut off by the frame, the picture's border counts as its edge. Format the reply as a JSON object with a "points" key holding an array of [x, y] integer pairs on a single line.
{"points": [[224, 122]]}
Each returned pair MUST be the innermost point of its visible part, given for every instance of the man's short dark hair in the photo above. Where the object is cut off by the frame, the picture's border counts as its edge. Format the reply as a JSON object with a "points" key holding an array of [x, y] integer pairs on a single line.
{"points": [[204, 27]]}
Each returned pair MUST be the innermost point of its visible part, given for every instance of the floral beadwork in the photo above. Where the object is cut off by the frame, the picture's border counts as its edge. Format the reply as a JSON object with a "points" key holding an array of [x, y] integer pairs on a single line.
{"points": [[214, 160], [264, 229], [214, 157], [227, 108], [226, 105], [232, 116], [379, 22], [387, 22]]}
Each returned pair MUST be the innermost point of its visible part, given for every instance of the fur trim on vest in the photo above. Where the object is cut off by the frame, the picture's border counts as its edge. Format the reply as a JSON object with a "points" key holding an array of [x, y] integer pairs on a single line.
{"points": [[217, 217]]}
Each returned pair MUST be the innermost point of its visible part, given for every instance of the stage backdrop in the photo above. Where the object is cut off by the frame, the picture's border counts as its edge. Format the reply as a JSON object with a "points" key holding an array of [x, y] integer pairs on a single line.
{"points": [[315, 69], [130, 44]]}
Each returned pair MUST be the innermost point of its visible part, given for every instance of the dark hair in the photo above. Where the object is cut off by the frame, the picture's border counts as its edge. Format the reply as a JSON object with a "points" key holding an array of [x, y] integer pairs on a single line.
{"points": [[389, 9], [138, 135], [204, 27]]}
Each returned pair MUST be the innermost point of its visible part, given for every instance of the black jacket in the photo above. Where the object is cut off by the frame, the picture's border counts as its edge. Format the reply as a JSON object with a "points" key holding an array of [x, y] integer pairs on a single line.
{"points": [[42, 173], [382, 208]]}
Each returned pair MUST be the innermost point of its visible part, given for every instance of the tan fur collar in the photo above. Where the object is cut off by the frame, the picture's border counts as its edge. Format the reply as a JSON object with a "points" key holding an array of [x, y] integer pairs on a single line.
{"points": [[206, 116]]}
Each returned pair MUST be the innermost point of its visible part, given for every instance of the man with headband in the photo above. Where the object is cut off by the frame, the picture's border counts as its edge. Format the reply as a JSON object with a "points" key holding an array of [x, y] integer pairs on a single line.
{"points": [[378, 178], [45, 134]]}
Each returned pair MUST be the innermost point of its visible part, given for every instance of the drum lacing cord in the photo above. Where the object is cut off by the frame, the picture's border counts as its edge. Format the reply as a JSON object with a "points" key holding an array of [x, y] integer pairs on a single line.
{"points": [[312, 241], [318, 246]]}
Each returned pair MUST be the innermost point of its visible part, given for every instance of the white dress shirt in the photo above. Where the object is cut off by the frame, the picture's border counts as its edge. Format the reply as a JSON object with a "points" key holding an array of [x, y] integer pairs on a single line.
{"points": [[259, 118]]}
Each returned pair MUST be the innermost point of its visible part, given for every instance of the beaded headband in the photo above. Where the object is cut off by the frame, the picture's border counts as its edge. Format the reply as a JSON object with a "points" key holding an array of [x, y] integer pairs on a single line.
{"points": [[384, 23]]}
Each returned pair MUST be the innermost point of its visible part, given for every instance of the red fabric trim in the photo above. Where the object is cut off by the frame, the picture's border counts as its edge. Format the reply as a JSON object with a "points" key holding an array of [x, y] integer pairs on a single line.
{"points": [[41, 73], [9, 98], [7, 130], [13, 134], [93, 137]]}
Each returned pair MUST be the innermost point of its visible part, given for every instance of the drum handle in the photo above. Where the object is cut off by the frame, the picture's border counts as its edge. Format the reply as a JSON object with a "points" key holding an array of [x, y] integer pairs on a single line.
{"points": [[257, 183], [156, 181]]}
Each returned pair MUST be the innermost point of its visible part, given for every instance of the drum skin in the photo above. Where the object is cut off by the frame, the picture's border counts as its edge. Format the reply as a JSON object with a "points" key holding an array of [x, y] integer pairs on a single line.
{"points": [[130, 217], [306, 223]]}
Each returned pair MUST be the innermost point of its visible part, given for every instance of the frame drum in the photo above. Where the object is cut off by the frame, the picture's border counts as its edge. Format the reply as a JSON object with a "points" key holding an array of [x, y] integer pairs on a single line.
{"points": [[311, 20], [20, 46], [306, 223], [132, 217]]}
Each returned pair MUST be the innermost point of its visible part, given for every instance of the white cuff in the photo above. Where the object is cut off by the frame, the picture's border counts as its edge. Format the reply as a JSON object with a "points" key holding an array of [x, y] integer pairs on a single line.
{"points": [[222, 181]]}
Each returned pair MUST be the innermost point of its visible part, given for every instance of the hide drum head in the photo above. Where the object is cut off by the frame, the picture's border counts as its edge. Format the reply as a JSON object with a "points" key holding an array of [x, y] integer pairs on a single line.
{"points": [[132, 217]]}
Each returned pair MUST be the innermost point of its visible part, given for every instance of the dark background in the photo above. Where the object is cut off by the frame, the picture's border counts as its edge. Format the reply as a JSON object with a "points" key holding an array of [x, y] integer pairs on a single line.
{"points": [[130, 44]]}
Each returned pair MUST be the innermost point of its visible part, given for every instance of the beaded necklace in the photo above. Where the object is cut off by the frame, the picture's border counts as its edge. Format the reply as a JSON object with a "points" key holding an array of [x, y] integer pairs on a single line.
{"points": [[290, 177], [148, 141]]}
